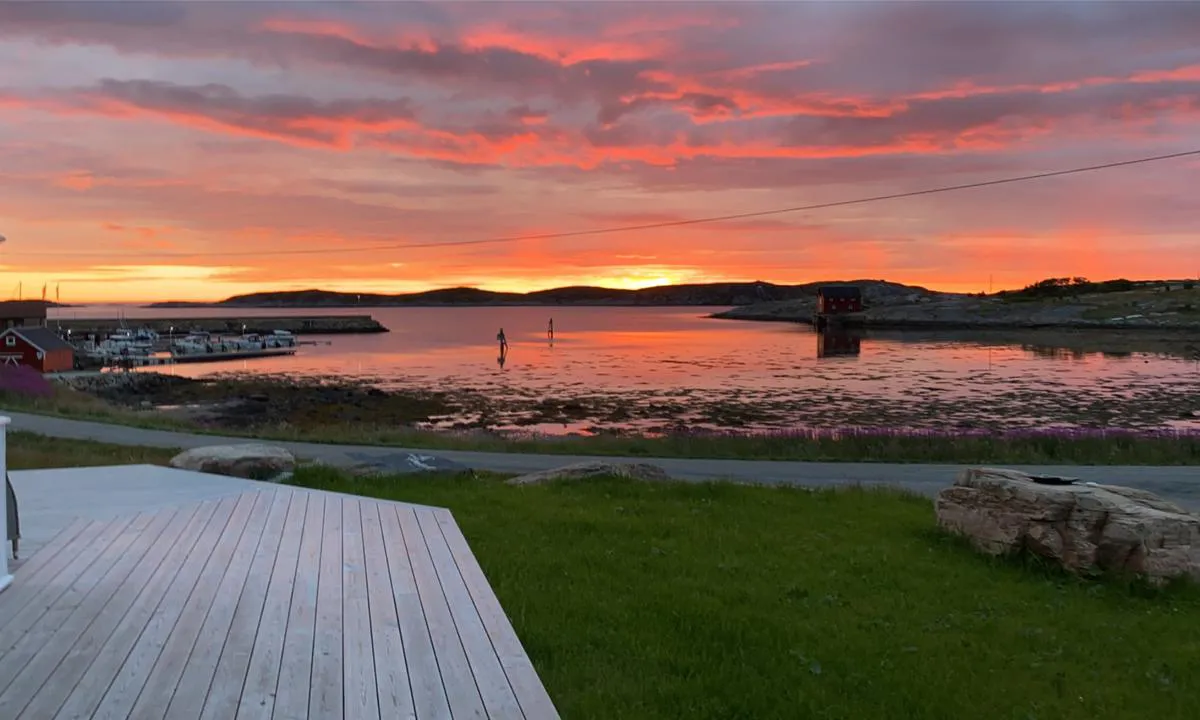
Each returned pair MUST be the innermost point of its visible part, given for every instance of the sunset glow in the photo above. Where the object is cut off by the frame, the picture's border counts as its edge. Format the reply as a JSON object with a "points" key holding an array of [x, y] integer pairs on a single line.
{"points": [[193, 151]]}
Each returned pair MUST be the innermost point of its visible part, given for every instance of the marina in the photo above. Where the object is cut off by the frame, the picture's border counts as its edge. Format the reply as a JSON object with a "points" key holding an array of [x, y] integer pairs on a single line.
{"points": [[68, 322], [126, 348], [63, 344]]}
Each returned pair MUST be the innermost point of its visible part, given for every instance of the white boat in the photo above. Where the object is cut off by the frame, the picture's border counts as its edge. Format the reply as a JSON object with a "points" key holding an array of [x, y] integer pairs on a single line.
{"points": [[130, 342], [276, 340], [113, 348], [141, 335], [198, 344]]}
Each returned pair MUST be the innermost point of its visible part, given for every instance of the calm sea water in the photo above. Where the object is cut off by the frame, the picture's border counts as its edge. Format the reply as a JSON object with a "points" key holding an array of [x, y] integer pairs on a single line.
{"points": [[673, 365]]}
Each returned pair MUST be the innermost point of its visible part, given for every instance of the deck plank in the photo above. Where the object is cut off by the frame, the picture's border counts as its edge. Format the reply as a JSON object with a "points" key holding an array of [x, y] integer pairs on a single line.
{"points": [[295, 672], [193, 686], [361, 700], [490, 678], [326, 692], [87, 579], [31, 672], [71, 668], [262, 676], [160, 686], [106, 663], [32, 570], [268, 603], [459, 682], [27, 600], [395, 693], [531, 693], [429, 693], [230, 675], [139, 663]]}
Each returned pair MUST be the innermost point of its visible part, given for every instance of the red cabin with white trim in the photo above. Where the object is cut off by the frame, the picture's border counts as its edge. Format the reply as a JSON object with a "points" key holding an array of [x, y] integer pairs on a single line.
{"points": [[36, 347]]}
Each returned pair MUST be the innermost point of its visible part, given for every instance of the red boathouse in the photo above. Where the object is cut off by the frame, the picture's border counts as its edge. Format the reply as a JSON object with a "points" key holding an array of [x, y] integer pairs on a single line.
{"points": [[833, 299], [36, 347]]}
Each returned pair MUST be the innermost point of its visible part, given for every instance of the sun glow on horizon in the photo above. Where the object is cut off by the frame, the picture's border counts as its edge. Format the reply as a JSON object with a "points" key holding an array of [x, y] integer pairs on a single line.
{"points": [[408, 161], [133, 284]]}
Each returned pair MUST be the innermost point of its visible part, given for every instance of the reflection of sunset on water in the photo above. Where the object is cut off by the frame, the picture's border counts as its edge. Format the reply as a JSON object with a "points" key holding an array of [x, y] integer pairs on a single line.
{"points": [[675, 355]]}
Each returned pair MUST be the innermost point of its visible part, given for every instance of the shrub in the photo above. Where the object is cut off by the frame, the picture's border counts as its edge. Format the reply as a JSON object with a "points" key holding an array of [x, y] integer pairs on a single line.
{"points": [[24, 382]]}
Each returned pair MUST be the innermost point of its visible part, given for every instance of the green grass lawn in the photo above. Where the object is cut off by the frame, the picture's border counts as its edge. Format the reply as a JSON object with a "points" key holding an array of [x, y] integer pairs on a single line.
{"points": [[719, 601], [27, 451], [723, 602]]}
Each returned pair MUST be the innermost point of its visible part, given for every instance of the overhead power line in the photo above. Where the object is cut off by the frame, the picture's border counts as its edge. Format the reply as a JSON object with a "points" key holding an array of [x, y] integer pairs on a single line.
{"points": [[645, 226]]}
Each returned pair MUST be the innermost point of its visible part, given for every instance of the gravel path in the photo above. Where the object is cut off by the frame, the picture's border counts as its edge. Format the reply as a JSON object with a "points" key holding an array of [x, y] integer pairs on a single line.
{"points": [[1180, 484]]}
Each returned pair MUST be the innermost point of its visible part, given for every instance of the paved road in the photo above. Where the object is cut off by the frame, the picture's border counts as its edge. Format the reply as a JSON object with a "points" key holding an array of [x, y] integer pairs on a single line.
{"points": [[1180, 484]]}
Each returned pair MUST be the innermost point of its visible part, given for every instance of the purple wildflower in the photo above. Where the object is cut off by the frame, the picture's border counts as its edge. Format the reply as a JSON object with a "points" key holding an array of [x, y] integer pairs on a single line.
{"points": [[24, 381]]}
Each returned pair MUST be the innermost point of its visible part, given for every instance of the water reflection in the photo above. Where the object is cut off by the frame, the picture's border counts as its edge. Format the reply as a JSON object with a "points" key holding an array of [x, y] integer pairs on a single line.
{"points": [[668, 362], [838, 342]]}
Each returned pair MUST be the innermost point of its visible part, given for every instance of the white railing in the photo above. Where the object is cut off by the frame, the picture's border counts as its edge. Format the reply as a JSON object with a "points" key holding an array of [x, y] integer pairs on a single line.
{"points": [[5, 548]]}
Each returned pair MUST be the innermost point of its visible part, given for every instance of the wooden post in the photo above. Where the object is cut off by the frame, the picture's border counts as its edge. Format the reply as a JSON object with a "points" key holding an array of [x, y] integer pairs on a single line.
{"points": [[5, 578]]}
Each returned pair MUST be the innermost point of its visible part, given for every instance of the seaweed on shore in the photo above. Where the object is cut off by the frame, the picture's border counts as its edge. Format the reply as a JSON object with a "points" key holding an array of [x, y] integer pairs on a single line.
{"points": [[940, 402]]}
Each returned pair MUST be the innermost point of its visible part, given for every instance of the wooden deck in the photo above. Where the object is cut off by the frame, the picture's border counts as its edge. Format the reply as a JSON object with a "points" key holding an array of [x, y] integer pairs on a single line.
{"points": [[271, 603]]}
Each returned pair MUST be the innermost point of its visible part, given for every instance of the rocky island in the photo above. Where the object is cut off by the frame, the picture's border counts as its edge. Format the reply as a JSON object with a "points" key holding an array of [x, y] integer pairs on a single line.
{"points": [[711, 294], [1073, 303]]}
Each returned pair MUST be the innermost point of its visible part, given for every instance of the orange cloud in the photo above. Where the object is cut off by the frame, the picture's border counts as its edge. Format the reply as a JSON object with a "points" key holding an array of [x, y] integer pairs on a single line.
{"points": [[76, 181], [311, 26], [749, 71], [396, 125], [564, 50]]}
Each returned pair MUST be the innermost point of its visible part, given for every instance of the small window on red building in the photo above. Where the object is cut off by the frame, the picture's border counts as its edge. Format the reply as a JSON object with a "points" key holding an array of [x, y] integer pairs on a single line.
{"points": [[10, 341]]}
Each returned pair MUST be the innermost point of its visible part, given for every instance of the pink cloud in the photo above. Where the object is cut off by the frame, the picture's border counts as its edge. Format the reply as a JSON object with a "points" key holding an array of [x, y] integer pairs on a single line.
{"points": [[268, 126]]}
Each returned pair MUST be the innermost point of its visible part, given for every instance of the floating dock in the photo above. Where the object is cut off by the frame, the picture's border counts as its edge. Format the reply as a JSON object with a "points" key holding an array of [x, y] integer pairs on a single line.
{"points": [[158, 360], [237, 355], [297, 325]]}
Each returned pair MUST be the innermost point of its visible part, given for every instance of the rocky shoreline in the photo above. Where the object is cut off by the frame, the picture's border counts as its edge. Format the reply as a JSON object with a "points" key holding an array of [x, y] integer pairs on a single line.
{"points": [[335, 406], [224, 402]]}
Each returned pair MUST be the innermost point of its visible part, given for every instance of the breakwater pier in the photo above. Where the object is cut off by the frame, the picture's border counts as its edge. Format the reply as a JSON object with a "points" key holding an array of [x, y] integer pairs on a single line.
{"points": [[295, 324]]}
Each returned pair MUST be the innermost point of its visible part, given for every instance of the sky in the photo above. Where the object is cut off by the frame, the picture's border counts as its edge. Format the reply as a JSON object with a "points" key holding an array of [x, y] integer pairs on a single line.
{"points": [[197, 150]]}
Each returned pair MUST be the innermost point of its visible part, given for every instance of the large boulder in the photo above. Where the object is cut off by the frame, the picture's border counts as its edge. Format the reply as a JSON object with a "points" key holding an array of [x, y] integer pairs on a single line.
{"points": [[250, 461], [1085, 527], [593, 469]]}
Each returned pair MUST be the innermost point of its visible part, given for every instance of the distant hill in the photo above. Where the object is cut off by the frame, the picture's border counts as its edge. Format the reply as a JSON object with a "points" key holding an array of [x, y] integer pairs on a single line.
{"points": [[711, 294], [36, 303]]}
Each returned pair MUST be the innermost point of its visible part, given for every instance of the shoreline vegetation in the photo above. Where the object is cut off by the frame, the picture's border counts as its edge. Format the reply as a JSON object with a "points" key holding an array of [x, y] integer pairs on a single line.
{"points": [[628, 596], [342, 412]]}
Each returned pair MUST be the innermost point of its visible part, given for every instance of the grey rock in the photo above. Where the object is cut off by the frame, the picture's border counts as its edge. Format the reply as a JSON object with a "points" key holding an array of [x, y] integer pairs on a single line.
{"points": [[252, 461], [400, 463], [1085, 527], [594, 469]]}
